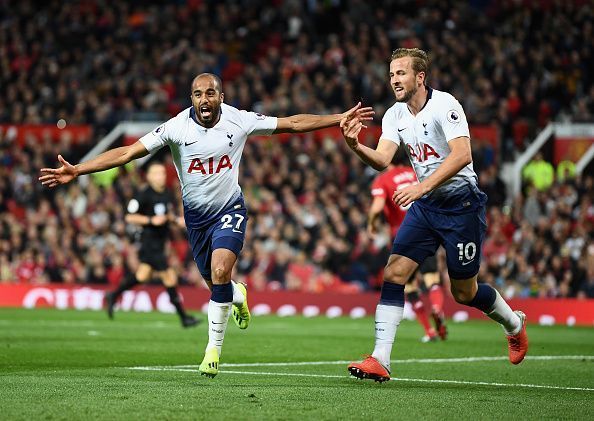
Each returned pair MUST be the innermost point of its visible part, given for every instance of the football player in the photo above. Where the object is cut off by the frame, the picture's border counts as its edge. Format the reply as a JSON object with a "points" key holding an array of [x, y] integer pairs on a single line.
{"points": [[206, 141], [447, 208]]}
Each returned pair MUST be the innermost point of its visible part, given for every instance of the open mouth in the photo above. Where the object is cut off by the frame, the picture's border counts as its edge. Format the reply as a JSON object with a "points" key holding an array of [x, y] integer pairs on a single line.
{"points": [[398, 89], [205, 112]]}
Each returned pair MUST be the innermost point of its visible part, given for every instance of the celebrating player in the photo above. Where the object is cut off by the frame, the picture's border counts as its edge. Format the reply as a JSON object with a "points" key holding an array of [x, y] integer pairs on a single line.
{"points": [[151, 209], [397, 177], [206, 141], [447, 208]]}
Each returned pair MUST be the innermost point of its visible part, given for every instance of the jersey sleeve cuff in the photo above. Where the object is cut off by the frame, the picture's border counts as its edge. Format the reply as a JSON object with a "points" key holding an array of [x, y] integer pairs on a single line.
{"points": [[150, 142]]}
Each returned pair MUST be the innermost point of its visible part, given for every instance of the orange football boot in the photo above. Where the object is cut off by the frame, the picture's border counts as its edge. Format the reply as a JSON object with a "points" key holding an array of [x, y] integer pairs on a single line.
{"points": [[370, 368], [518, 344]]}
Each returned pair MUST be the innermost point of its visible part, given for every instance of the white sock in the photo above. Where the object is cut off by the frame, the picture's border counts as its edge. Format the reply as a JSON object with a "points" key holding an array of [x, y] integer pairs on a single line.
{"points": [[238, 297], [502, 313], [218, 315], [387, 319]]}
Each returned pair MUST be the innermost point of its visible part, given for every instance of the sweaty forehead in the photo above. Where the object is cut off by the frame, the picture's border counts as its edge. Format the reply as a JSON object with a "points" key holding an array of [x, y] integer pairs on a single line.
{"points": [[204, 83]]}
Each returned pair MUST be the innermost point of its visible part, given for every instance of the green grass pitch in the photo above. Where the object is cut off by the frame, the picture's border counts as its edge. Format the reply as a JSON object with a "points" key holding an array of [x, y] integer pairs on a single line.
{"points": [[80, 365]]}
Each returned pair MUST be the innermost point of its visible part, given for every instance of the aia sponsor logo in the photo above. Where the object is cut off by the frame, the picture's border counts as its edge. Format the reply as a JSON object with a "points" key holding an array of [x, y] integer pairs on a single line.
{"points": [[211, 166], [421, 152]]}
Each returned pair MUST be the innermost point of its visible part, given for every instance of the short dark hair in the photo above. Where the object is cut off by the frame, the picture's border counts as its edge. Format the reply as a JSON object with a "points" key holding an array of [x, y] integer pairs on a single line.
{"points": [[420, 62]]}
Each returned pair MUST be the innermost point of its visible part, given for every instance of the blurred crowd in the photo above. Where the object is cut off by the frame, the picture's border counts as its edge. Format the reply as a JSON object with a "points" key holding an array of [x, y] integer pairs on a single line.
{"points": [[517, 64], [543, 244], [307, 202], [513, 64]]}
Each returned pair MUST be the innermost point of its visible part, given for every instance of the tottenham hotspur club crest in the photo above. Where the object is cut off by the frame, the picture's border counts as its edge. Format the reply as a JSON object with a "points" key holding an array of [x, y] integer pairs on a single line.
{"points": [[230, 137]]}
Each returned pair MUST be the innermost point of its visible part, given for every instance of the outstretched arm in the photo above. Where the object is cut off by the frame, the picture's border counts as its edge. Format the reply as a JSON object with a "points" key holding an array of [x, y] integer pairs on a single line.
{"points": [[112, 158], [302, 123]]}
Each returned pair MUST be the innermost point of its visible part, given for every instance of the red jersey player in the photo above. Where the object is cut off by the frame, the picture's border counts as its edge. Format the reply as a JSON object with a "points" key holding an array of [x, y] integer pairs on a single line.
{"points": [[397, 177]]}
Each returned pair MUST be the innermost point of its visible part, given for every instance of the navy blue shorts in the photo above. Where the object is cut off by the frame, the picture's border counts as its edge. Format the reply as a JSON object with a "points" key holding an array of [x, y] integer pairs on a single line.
{"points": [[461, 234], [226, 232]]}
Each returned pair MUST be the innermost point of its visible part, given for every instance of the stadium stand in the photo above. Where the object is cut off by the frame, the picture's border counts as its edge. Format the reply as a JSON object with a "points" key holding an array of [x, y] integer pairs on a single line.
{"points": [[98, 63]]}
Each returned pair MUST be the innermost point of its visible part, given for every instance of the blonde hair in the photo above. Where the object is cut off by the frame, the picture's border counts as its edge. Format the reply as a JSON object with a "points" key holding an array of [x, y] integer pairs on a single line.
{"points": [[420, 60]]}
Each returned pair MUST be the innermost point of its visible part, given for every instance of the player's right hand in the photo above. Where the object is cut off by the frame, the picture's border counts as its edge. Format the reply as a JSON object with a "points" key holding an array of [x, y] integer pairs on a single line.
{"points": [[53, 177], [351, 126], [352, 122]]}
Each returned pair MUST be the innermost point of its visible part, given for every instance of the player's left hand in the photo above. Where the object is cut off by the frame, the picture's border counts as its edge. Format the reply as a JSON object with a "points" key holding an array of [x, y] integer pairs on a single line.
{"points": [[407, 195]]}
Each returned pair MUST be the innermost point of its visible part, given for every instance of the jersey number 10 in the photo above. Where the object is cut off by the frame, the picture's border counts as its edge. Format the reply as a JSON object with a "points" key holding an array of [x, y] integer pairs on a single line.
{"points": [[467, 251]]}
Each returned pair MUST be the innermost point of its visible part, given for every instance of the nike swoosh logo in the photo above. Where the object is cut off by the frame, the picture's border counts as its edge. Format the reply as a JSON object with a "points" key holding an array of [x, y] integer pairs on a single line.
{"points": [[191, 143], [237, 231], [465, 263], [399, 130], [215, 323]]}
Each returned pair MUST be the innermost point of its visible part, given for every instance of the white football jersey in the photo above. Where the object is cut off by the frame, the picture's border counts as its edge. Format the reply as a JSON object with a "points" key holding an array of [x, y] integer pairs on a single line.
{"points": [[427, 134], [207, 159]]}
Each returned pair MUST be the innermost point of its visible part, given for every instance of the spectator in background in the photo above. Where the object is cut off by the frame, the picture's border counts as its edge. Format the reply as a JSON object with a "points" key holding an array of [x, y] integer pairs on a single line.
{"points": [[533, 210], [587, 288], [565, 171], [491, 184], [6, 270], [539, 173], [283, 200]]}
